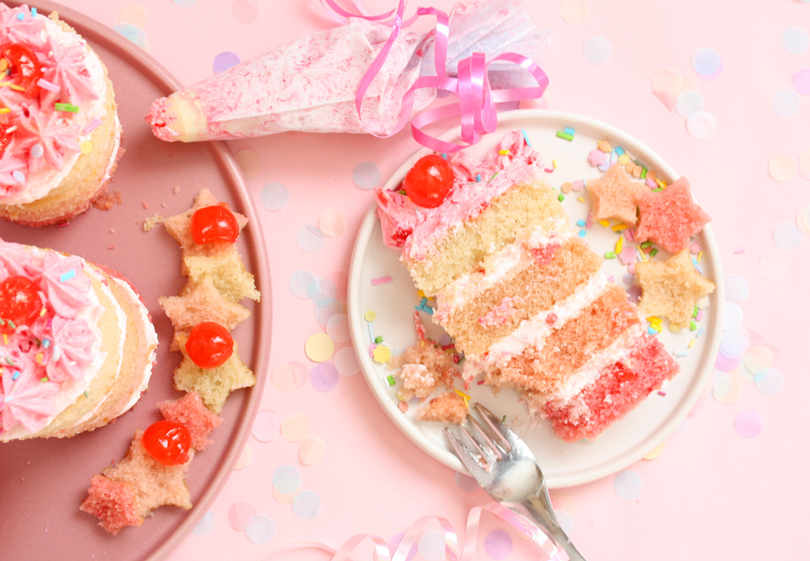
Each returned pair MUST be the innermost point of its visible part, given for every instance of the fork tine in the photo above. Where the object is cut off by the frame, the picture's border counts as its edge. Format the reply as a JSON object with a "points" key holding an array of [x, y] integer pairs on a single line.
{"points": [[503, 432], [466, 456], [487, 438], [483, 449]]}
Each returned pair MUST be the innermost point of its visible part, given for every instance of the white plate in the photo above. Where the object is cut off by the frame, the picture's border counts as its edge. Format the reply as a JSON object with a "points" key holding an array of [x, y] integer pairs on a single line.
{"points": [[564, 464]]}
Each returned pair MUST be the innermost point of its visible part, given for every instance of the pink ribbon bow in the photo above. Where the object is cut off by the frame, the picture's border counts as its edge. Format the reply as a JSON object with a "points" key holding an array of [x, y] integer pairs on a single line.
{"points": [[476, 100]]}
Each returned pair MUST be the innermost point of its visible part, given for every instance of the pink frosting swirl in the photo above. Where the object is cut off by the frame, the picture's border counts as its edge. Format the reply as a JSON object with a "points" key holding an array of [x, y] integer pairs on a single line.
{"points": [[27, 400], [65, 285], [72, 349]]}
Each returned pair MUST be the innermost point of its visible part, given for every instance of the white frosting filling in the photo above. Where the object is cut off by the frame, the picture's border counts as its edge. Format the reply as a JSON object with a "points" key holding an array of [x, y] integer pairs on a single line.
{"points": [[43, 182]]}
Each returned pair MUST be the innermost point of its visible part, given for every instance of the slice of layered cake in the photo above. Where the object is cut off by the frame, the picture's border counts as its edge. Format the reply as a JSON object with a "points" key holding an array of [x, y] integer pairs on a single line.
{"points": [[519, 292]]}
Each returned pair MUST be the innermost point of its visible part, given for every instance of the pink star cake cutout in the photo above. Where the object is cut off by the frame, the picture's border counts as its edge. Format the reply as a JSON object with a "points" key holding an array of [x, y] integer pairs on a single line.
{"points": [[614, 196], [670, 217]]}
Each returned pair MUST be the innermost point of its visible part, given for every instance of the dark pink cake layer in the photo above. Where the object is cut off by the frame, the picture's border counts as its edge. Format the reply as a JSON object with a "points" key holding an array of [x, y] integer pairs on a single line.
{"points": [[617, 391]]}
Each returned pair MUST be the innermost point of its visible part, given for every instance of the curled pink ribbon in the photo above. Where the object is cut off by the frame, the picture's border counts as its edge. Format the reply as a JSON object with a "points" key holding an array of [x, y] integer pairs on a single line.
{"points": [[549, 551], [476, 105]]}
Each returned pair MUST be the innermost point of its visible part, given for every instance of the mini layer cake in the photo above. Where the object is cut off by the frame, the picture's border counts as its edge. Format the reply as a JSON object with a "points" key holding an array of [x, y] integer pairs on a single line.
{"points": [[62, 136], [521, 294], [84, 354]]}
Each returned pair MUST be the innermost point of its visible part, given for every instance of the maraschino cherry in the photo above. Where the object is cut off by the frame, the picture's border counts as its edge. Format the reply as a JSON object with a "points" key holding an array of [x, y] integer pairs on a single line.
{"points": [[167, 442], [429, 181], [214, 224], [209, 345], [25, 68], [20, 303]]}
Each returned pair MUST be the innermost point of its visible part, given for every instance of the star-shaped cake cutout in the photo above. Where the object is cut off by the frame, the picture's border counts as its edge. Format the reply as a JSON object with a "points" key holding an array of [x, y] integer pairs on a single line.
{"points": [[614, 196], [671, 288], [191, 412], [227, 272], [670, 217], [213, 384], [199, 302], [179, 227]]}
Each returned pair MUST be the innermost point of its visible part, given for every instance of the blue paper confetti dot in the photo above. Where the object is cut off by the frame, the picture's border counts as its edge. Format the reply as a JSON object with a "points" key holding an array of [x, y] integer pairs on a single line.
{"points": [[132, 33], [787, 236], [321, 299], [306, 505], [732, 316], [786, 103], [260, 529], [286, 480], [770, 382], [566, 521], [736, 288], [498, 545], [309, 238], [628, 485], [707, 63], [431, 546], [205, 524], [795, 40], [274, 196], [225, 60], [366, 175], [598, 50], [303, 284]]}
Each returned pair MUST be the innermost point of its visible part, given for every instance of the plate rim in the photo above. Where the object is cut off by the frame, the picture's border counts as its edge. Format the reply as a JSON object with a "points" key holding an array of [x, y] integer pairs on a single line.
{"points": [[100, 33], [611, 466]]}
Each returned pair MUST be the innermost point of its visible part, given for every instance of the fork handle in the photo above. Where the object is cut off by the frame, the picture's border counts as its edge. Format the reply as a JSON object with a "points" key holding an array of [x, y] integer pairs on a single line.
{"points": [[545, 518]]}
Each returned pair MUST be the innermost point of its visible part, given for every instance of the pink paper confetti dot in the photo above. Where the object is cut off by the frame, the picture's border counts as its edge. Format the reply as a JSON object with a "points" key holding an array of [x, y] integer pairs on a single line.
{"points": [[701, 124], [306, 505], [749, 423], [287, 378], [804, 164], [736, 288], [332, 223], [239, 514], [338, 328], [628, 485], [225, 60], [732, 316], [324, 377], [259, 529], [734, 343], [597, 50], [266, 426], [205, 524], [725, 364], [801, 81], [727, 390], [787, 236], [431, 546], [245, 458], [346, 361], [249, 162], [245, 11], [311, 451], [366, 175], [573, 11], [498, 544], [773, 266]]}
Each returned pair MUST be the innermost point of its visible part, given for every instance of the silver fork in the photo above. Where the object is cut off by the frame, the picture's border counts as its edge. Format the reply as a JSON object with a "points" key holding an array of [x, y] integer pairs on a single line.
{"points": [[504, 466]]}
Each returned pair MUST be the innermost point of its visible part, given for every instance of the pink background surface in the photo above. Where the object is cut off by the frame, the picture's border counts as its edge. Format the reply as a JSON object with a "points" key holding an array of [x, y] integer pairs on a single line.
{"points": [[712, 493]]}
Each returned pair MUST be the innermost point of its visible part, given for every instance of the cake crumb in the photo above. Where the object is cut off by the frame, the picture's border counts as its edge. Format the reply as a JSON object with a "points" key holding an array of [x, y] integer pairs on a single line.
{"points": [[449, 407], [110, 247], [151, 222], [176, 189], [112, 230], [108, 200], [145, 204]]}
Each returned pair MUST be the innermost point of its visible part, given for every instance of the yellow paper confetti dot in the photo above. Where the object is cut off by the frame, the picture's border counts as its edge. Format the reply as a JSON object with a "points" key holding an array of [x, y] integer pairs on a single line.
{"points": [[311, 451], [244, 458], [319, 347], [283, 499], [382, 354], [371, 315], [655, 453], [295, 428], [86, 147]]}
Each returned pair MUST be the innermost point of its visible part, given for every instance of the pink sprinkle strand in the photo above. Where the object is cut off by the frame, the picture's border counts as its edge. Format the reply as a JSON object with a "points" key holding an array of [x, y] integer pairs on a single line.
{"points": [[91, 126], [381, 280], [46, 85]]}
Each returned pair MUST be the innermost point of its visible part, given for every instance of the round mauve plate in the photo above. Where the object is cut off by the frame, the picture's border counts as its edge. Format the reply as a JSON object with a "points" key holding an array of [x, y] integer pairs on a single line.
{"points": [[563, 464], [42, 482]]}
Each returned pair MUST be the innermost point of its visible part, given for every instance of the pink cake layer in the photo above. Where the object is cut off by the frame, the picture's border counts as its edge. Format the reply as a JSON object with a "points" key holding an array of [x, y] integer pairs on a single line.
{"points": [[618, 390]]}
